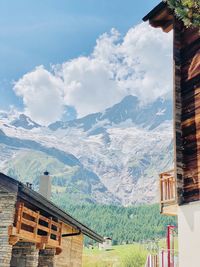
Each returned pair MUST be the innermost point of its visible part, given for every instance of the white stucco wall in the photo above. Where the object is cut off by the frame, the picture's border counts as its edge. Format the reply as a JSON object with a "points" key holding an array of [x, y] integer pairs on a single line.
{"points": [[189, 234]]}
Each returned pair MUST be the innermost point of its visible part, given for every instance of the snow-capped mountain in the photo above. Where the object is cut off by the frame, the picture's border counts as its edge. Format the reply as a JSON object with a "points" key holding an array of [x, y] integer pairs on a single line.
{"points": [[109, 157], [149, 116], [25, 122]]}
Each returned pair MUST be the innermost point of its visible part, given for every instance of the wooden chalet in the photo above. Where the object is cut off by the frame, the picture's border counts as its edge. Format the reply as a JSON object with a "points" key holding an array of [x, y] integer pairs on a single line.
{"points": [[36, 233], [180, 188]]}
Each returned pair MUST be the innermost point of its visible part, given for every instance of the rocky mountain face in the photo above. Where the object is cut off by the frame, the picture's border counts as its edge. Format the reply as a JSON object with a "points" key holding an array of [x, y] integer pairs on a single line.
{"points": [[110, 157], [149, 116], [25, 122]]}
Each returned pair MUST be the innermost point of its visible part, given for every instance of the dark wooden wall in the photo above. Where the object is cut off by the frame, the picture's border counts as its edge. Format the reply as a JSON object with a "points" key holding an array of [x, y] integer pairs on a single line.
{"points": [[187, 112]]}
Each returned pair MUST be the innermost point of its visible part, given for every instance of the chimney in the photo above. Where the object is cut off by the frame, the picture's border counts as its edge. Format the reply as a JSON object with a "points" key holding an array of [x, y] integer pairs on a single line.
{"points": [[45, 185]]}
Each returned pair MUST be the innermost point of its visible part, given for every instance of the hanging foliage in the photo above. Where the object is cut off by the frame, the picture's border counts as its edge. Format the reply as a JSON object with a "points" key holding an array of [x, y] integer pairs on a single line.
{"points": [[187, 10]]}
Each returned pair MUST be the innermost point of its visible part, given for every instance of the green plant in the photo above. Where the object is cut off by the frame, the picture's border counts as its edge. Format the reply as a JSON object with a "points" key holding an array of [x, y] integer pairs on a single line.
{"points": [[135, 259], [133, 255], [187, 10]]}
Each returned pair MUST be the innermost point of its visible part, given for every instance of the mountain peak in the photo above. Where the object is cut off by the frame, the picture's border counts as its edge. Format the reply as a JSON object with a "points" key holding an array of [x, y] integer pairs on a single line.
{"points": [[25, 122], [129, 99], [149, 116]]}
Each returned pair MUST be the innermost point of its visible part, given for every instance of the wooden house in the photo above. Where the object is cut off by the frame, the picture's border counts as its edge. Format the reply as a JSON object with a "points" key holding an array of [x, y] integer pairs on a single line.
{"points": [[180, 188], [36, 233]]}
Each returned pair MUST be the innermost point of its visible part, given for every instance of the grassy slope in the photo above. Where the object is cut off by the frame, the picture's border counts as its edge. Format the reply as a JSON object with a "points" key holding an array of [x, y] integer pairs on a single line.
{"points": [[28, 166], [133, 255], [72, 182], [120, 256]]}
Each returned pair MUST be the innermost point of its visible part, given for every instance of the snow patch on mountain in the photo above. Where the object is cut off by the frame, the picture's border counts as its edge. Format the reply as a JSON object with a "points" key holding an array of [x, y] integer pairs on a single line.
{"points": [[25, 122], [122, 149]]}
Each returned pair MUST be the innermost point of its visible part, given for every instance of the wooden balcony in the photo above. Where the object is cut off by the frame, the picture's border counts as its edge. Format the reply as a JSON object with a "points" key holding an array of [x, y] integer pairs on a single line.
{"points": [[168, 200], [31, 226]]}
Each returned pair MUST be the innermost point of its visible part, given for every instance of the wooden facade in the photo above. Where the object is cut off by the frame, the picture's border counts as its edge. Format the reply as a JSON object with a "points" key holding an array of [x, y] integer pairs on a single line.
{"points": [[187, 111], [40, 226], [74, 246], [186, 56]]}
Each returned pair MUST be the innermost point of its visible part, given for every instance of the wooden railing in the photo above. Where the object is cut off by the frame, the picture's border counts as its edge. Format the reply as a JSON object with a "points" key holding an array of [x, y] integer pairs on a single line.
{"points": [[32, 226], [167, 187]]}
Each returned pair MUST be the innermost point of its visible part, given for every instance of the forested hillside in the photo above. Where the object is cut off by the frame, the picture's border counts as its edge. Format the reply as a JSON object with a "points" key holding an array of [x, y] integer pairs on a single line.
{"points": [[123, 224]]}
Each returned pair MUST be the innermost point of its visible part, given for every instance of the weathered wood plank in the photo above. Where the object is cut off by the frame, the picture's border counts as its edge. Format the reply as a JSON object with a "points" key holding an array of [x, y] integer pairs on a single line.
{"points": [[178, 151], [187, 112]]}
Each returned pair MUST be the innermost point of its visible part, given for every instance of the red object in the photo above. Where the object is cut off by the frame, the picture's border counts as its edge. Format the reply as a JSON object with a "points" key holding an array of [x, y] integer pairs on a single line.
{"points": [[170, 249]]}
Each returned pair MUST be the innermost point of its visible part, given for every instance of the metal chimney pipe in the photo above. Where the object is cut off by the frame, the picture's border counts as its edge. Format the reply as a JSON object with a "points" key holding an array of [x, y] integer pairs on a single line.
{"points": [[45, 185]]}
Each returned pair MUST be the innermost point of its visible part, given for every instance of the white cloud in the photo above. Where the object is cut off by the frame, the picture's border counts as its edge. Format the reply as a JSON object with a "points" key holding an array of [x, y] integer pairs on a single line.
{"points": [[140, 63], [148, 57], [88, 85], [42, 95]]}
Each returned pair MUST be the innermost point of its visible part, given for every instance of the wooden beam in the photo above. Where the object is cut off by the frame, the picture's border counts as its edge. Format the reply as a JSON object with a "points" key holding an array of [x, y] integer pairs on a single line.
{"points": [[20, 207], [166, 25], [13, 240], [37, 222]]}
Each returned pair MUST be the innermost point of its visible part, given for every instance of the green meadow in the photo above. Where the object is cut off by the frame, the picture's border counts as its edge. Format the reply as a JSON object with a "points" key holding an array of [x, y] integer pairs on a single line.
{"points": [[133, 255]]}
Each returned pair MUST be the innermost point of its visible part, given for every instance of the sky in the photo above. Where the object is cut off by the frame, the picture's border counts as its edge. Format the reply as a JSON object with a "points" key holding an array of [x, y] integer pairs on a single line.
{"points": [[71, 53]]}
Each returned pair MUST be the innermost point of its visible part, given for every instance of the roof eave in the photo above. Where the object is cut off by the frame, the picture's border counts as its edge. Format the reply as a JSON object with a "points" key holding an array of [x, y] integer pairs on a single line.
{"points": [[155, 11], [160, 16], [48, 206]]}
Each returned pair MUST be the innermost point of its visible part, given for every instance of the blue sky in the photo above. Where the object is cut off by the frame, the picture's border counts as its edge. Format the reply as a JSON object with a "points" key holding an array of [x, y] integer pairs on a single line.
{"points": [[45, 32]]}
